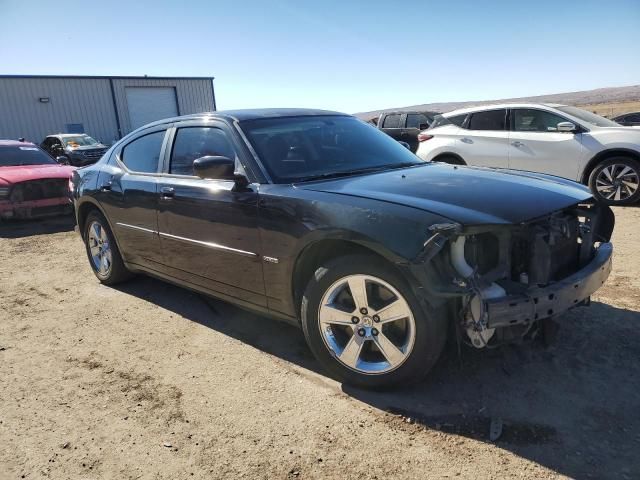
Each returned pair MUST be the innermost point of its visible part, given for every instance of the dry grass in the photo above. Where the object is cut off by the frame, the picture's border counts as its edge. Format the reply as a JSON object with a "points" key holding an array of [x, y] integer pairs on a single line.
{"points": [[612, 109]]}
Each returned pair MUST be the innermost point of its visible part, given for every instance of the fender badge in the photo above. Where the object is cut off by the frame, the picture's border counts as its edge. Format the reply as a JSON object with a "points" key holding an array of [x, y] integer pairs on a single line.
{"points": [[270, 259]]}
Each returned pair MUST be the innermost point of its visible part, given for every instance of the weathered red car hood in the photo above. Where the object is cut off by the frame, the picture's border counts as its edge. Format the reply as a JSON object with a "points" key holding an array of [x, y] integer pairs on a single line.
{"points": [[34, 172]]}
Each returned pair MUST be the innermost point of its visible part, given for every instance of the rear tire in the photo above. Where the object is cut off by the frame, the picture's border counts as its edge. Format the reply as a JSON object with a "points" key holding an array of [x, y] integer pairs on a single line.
{"points": [[104, 257], [616, 181], [355, 344]]}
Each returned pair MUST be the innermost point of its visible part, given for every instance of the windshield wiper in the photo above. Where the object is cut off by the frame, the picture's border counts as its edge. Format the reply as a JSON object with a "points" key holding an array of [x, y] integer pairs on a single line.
{"points": [[346, 173]]}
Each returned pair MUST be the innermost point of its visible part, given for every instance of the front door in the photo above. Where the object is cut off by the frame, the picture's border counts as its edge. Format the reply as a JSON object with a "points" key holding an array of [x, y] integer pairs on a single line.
{"points": [[209, 228], [536, 145]]}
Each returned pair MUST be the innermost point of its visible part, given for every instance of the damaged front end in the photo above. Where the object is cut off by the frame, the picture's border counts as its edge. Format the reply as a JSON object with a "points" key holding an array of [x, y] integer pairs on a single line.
{"points": [[503, 279], [35, 198]]}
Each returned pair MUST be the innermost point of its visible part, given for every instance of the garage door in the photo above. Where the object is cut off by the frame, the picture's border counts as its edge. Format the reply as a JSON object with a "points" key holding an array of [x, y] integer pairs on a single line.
{"points": [[148, 104]]}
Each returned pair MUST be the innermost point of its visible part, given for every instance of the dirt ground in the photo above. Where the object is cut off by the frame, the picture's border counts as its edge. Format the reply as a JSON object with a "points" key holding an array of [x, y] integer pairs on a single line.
{"points": [[150, 381]]}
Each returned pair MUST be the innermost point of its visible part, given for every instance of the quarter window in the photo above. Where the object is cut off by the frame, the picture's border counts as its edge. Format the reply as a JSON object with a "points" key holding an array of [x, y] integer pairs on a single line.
{"points": [[531, 120], [458, 119], [392, 121], [491, 120], [142, 155], [195, 142]]}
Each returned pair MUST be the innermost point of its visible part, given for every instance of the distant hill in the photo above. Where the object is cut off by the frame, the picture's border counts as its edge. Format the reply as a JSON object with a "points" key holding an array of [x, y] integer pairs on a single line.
{"points": [[603, 100]]}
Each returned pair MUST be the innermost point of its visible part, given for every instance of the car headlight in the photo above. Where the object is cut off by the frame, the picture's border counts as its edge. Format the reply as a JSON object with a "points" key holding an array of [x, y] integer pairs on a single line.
{"points": [[4, 192]]}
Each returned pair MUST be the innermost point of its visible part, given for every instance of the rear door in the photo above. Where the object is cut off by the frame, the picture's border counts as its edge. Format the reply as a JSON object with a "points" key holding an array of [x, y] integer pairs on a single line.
{"points": [[209, 228], [412, 129], [484, 139], [393, 125], [128, 192], [536, 145]]}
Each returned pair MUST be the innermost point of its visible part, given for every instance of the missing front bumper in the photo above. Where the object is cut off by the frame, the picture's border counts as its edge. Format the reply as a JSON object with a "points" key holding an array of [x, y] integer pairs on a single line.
{"points": [[539, 303]]}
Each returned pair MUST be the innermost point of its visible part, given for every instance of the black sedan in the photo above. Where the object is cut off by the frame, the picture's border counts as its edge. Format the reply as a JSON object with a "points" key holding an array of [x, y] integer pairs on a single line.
{"points": [[321, 220]]}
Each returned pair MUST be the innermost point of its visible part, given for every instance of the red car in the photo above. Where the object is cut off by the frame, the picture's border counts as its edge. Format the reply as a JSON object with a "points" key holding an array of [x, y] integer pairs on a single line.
{"points": [[32, 184]]}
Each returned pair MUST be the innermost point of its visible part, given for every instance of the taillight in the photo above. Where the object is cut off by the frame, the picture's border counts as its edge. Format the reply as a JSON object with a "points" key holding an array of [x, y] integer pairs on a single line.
{"points": [[423, 137]]}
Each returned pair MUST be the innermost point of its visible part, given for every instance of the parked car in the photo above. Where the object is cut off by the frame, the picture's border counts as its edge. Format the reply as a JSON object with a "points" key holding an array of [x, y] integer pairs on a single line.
{"points": [[628, 119], [31, 183], [405, 126], [319, 219], [555, 139], [77, 149]]}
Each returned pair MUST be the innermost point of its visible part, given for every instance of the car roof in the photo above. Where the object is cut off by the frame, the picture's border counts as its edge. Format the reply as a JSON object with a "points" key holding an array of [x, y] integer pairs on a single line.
{"points": [[16, 143], [480, 108], [429, 112], [625, 114], [63, 135], [248, 114]]}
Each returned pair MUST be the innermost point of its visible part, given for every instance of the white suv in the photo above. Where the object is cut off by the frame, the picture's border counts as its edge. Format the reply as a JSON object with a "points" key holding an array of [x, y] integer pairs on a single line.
{"points": [[555, 139]]}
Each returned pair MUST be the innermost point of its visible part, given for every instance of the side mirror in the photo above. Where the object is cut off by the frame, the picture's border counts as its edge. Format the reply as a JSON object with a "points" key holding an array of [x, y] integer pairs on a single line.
{"points": [[404, 144], [62, 160], [219, 168], [566, 127], [424, 126]]}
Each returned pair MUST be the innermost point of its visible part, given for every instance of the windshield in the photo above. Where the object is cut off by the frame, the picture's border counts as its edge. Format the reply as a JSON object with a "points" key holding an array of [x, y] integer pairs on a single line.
{"points": [[13, 156], [296, 149], [588, 117], [79, 141]]}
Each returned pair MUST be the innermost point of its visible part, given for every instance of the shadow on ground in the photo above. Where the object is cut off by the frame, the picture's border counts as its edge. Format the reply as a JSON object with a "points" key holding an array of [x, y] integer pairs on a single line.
{"points": [[571, 407], [29, 228]]}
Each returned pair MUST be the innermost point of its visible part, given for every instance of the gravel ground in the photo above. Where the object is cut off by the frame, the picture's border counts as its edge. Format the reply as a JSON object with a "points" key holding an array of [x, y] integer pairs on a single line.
{"points": [[150, 381]]}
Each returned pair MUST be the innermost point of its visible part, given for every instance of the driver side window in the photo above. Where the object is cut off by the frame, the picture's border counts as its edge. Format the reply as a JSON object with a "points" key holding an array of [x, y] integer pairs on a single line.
{"points": [[532, 120], [192, 143]]}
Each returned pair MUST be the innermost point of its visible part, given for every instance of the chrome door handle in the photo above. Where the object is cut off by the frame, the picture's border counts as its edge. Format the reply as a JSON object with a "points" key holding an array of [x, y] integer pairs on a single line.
{"points": [[167, 192], [517, 144], [106, 187]]}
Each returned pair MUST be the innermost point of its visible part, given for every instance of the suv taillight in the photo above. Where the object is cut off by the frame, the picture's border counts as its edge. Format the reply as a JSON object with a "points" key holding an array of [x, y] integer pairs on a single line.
{"points": [[423, 137]]}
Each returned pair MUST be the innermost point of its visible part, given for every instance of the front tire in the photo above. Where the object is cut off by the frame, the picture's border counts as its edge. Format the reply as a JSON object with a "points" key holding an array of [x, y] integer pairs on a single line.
{"points": [[366, 327], [102, 251], [616, 181]]}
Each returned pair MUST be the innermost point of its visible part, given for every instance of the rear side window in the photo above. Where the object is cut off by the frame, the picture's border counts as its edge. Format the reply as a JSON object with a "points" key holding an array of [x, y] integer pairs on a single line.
{"points": [[392, 121], [142, 155], [414, 120], [634, 117], [194, 142], [491, 120]]}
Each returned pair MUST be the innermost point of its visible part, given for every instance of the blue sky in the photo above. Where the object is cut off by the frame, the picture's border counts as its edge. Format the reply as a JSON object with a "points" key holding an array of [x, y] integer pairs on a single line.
{"points": [[336, 54]]}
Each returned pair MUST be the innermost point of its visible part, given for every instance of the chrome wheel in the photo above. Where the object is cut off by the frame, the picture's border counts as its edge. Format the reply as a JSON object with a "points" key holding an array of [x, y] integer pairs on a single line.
{"points": [[367, 324], [100, 249], [617, 182]]}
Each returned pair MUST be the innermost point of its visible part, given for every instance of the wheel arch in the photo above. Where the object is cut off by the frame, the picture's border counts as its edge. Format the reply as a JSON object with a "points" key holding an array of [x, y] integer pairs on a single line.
{"points": [[459, 159], [83, 210], [320, 251], [604, 155]]}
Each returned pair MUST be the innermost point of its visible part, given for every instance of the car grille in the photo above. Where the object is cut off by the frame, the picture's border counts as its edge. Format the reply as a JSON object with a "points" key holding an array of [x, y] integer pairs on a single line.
{"points": [[39, 189], [94, 154]]}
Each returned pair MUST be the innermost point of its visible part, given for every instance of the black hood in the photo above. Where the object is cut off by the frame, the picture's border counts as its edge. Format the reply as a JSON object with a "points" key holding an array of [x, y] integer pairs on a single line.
{"points": [[468, 195]]}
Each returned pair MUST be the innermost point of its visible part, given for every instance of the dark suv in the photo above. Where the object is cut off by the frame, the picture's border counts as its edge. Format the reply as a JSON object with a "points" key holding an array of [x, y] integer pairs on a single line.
{"points": [[77, 149], [321, 220], [628, 119], [405, 126]]}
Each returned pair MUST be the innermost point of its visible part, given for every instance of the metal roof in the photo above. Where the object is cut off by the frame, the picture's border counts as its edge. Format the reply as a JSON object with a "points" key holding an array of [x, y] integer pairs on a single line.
{"points": [[143, 77]]}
